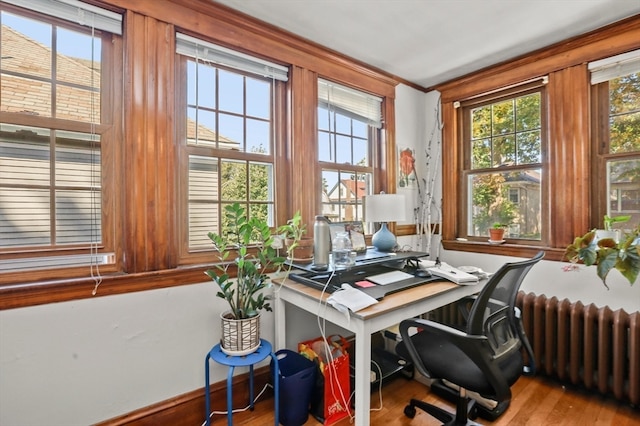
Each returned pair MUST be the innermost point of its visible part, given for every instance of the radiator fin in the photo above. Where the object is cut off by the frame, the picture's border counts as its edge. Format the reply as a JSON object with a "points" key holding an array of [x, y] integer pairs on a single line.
{"points": [[589, 346]]}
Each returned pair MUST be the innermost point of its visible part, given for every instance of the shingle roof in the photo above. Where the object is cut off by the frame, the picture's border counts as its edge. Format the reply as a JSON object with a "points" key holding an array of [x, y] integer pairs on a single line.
{"points": [[23, 56]]}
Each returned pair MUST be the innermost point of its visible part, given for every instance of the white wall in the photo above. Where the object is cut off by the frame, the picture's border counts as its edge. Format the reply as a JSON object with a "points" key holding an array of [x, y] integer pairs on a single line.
{"points": [[549, 279], [80, 362]]}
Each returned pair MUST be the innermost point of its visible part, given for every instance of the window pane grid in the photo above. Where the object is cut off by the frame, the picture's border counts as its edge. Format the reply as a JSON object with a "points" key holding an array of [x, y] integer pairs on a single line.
{"points": [[229, 114], [29, 55], [621, 156], [512, 199], [505, 135], [49, 187], [341, 139], [343, 192]]}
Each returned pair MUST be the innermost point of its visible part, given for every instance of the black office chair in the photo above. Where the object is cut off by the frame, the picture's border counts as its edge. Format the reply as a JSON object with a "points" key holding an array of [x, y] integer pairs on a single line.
{"points": [[484, 358]]}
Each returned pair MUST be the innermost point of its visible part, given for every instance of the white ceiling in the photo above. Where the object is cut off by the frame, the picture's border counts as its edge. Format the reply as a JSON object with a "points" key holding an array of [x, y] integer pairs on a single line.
{"points": [[428, 42]]}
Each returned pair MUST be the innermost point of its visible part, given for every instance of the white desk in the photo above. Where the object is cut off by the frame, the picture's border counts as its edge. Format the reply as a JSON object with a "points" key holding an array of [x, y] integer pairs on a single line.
{"points": [[388, 312]]}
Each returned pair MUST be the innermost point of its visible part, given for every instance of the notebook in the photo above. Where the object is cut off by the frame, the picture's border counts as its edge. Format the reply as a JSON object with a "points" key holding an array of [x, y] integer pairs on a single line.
{"points": [[389, 277]]}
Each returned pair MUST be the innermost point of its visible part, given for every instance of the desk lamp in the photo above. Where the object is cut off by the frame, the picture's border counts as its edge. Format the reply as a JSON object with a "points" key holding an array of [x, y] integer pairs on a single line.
{"points": [[384, 208]]}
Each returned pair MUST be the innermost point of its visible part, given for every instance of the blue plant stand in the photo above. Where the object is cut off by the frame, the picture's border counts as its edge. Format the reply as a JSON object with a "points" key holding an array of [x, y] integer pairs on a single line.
{"points": [[216, 354]]}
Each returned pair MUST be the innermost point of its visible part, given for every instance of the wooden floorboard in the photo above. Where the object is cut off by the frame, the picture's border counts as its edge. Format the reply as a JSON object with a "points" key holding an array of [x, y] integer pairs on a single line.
{"points": [[536, 401]]}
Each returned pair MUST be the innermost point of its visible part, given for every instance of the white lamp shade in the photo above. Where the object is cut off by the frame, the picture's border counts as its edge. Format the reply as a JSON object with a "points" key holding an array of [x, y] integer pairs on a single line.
{"points": [[385, 208]]}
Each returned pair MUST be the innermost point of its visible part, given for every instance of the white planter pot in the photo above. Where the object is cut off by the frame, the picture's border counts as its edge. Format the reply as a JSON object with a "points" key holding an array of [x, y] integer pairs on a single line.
{"points": [[603, 233], [239, 337]]}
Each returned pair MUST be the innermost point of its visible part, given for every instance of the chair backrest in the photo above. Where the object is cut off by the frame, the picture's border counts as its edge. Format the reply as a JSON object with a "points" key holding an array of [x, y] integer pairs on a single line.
{"points": [[493, 312]]}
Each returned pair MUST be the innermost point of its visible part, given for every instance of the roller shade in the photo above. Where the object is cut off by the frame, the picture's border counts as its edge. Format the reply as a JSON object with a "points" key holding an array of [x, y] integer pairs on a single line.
{"points": [[199, 49], [614, 67], [353, 103], [75, 11]]}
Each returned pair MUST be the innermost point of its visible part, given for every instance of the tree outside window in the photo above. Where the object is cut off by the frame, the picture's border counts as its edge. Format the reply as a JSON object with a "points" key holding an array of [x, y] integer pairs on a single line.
{"points": [[618, 142], [504, 145]]}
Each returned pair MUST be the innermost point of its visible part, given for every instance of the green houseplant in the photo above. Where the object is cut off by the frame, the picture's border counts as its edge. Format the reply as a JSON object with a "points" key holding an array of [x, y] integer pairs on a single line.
{"points": [[299, 247], [251, 248], [496, 232], [607, 253]]}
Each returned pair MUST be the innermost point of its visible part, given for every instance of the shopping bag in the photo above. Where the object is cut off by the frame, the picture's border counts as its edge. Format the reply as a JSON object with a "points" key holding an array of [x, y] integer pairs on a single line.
{"points": [[330, 397]]}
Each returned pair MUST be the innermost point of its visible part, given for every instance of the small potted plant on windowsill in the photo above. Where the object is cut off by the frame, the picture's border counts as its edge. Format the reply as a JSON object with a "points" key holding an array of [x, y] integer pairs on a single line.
{"points": [[607, 253], [496, 232], [251, 248]]}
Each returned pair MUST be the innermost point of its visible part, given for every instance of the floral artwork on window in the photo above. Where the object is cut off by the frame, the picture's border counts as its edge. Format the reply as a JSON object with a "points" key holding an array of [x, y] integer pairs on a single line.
{"points": [[406, 168]]}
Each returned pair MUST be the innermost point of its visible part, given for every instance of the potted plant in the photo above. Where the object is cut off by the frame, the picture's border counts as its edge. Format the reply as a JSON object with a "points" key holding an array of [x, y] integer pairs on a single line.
{"points": [[299, 247], [249, 246], [496, 232], [608, 253], [608, 231]]}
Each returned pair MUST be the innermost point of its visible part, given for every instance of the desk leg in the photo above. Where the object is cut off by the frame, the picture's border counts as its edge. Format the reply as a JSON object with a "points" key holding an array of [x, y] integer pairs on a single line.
{"points": [[280, 322], [363, 376], [207, 397], [230, 395]]}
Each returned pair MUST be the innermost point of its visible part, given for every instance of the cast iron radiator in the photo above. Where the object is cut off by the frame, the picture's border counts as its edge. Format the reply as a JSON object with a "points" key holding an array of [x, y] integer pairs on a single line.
{"points": [[589, 346]]}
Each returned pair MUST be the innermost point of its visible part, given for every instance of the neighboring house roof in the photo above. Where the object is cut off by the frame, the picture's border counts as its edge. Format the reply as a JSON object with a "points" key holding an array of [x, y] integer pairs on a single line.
{"points": [[25, 56], [356, 189], [529, 176]]}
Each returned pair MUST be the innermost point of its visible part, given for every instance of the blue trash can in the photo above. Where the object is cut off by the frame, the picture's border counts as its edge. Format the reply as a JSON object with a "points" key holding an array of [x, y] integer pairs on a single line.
{"points": [[297, 379]]}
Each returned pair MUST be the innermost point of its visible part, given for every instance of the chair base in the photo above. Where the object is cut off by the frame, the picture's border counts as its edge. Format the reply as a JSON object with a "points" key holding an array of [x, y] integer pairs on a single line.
{"points": [[448, 419], [444, 391]]}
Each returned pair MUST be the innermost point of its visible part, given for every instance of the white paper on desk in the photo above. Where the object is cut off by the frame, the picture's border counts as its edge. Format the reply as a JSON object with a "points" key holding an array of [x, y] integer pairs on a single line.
{"points": [[350, 298], [453, 274]]}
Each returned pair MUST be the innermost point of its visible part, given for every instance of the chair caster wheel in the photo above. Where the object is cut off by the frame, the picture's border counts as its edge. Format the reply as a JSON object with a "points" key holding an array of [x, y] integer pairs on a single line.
{"points": [[410, 411]]}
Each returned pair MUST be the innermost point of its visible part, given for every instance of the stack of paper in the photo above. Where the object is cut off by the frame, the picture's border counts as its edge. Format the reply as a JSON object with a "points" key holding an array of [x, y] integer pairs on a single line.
{"points": [[453, 274]]}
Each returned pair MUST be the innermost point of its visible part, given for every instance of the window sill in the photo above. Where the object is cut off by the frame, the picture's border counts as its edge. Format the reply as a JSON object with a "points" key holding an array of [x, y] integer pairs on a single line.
{"points": [[63, 290], [506, 249]]}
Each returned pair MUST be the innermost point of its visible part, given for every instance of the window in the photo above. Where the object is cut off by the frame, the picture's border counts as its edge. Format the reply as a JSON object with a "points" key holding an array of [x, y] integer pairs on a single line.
{"points": [[616, 90], [349, 123], [228, 136], [503, 142], [54, 133]]}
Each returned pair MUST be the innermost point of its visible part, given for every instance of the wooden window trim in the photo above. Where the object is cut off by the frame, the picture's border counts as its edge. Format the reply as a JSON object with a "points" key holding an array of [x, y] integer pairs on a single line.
{"points": [[109, 129], [569, 135], [464, 118], [146, 153]]}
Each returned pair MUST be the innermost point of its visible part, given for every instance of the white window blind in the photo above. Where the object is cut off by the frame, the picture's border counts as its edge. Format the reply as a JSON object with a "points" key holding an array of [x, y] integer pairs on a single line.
{"points": [[75, 11], [354, 103], [199, 49], [614, 67]]}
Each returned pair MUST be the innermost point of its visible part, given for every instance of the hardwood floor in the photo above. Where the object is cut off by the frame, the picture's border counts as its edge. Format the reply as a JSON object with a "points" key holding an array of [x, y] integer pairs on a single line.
{"points": [[536, 401]]}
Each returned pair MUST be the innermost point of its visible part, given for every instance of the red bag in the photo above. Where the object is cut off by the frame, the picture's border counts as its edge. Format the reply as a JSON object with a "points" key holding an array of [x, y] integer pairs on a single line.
{"points": [[330, 397]]}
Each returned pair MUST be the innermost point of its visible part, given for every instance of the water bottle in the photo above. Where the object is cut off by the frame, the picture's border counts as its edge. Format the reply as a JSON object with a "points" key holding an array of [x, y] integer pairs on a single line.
{"points": [[321, 240], [341, 251]]}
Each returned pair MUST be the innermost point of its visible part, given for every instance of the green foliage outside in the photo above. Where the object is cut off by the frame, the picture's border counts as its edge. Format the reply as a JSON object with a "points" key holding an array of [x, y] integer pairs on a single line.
{"points": [[503, 134], [491, 200], [234, 181], [624, 112], [624, 121]]}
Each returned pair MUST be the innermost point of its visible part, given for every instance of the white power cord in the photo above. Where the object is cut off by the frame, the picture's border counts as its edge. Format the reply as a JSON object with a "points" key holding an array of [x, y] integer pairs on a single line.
{"points": [[239, 410]]}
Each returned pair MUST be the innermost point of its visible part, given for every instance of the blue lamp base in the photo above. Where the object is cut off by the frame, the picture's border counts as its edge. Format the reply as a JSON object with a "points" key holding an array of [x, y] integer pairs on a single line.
{"points": [[383, 240]]}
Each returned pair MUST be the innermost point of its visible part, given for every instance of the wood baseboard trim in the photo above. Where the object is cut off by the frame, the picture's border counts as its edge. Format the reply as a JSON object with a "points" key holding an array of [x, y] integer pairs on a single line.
{"points": [[189, 408]]}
